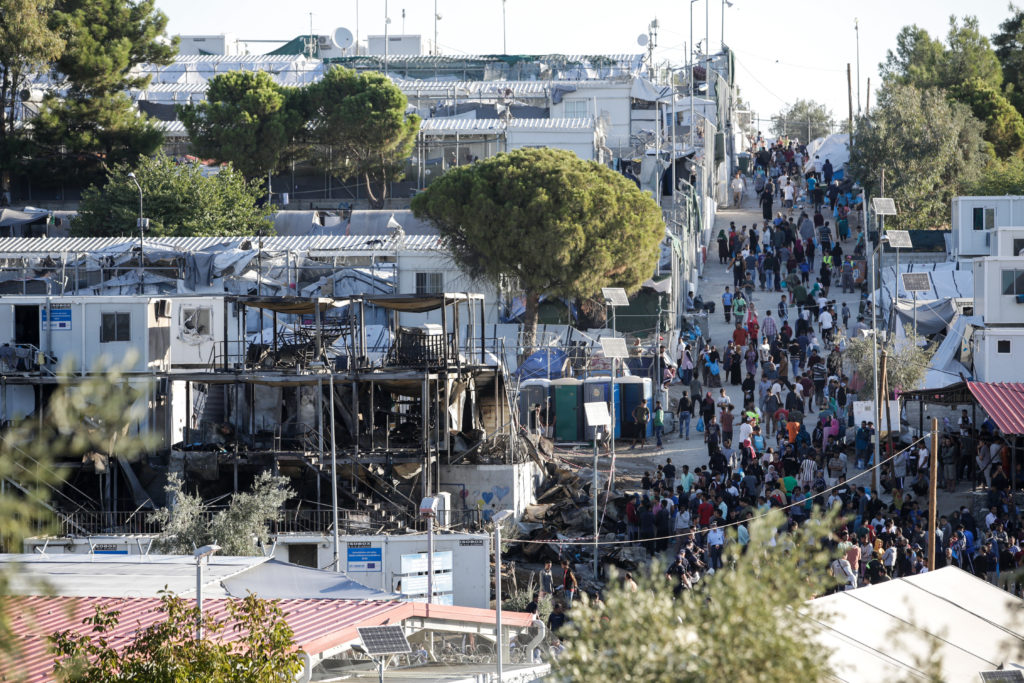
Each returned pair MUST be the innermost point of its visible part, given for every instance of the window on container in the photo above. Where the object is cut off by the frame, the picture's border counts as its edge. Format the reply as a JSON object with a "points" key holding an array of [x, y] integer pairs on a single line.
{"points": [[984, 219], [1013, 281], [195, 321], [575, 109], [1003, 346], [429, 283], [115, 327]]}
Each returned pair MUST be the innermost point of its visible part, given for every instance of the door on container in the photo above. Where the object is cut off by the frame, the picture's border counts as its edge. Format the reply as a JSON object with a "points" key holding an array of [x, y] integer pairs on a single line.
{"points": [[593, 392], [26, 325], [567, 412]]}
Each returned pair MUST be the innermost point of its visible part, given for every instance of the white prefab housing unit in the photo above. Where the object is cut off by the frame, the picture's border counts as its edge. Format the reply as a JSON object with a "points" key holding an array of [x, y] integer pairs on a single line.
{"points": [[999, 300], [974, 221], [397, 563], [218, 44], [396, 44], [77, 331], [165, 333]]}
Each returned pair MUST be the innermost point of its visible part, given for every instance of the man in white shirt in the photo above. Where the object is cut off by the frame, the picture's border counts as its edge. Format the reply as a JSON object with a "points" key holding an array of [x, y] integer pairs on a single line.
{"points": [[738, 185], [825, 321]]}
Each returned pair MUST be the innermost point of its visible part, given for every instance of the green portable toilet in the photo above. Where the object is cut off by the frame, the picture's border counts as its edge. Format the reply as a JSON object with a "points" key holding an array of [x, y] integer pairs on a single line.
{"points": [[566, 395]]}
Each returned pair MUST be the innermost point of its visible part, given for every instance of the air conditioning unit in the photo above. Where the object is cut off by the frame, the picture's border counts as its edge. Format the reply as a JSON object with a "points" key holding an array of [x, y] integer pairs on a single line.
{"points": [[324, 42], [162, 308], [1020, 298]]}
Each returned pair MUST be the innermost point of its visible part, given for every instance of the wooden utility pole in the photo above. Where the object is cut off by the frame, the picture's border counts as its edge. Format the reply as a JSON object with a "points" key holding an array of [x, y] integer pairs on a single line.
{"points": [[933, 495], [885, 399], [849, 96]]}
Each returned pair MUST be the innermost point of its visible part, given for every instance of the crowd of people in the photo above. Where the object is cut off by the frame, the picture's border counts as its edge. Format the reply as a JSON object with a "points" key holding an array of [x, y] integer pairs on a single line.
{"points": [[791, 441]]}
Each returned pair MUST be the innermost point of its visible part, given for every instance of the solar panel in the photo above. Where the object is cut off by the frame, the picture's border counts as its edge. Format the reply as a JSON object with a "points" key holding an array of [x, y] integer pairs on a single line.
{"points": [[614, 347], [384, 640], [899, 239], [615, 296], [883, 206], [916, 282], [1007, 675]]}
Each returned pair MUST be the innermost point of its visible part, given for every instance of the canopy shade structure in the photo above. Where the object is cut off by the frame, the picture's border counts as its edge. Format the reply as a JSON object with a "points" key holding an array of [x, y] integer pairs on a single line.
{"points": [[421, 303], [287, 304], [1002, 401]]}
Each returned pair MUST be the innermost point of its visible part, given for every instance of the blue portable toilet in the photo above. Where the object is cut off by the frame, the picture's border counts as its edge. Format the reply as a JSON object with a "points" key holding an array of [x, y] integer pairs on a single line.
{"points": [[634, 390], [598, 388], [532, 392], [567, 398]]}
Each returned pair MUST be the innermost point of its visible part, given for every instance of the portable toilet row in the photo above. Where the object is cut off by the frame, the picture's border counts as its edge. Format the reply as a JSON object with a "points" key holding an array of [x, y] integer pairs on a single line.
{"points": [[562, 400]]}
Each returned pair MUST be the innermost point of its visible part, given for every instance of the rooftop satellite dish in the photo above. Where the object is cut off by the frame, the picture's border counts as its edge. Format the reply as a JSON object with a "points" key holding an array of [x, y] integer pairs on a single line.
{"points": [[642, 40], [342, 38]]}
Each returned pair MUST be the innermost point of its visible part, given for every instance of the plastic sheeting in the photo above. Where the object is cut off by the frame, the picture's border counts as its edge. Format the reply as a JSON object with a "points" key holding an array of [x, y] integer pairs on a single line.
{"points": [[276, 580], [835, 148], [935, 308], [546, 363]]}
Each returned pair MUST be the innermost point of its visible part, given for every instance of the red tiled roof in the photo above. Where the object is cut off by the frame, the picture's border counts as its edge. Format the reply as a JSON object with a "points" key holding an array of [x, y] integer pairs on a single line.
{"points": [[317, 624], [1004, 403]]}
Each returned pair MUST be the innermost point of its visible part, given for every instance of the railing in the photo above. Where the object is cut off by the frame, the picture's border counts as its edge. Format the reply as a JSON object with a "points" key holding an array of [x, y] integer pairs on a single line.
{"points": [[313, 520]]}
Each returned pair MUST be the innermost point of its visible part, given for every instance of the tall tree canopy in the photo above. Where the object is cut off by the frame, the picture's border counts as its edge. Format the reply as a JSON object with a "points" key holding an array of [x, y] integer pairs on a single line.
{"points": [[1009, 47], [967, 69], [27, 46], [803, 120], [177, 198], [545, 222], [931, 148], [104, 41], [246, 120], [359, 128]]}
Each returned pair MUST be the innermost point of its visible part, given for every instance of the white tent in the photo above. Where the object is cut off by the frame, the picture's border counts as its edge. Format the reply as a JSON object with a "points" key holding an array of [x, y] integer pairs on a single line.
{"points": [[835, 148], [894, 630]]}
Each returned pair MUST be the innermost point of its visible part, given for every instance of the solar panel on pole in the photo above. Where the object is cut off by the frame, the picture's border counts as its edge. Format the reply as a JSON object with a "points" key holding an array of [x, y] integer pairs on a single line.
{"points": [[615, 296], [899, 239], [916, 282], [614, 347], [883, 206], [384, 640]]}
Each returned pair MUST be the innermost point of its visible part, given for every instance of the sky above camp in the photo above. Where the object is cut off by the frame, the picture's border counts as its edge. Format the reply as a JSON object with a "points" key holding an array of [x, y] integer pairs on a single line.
{"points": [[785, 49]]}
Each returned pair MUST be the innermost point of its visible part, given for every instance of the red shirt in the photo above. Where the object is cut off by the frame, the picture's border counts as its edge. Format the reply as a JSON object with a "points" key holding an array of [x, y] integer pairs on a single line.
{"points": [[739, 337], [704, 512]]}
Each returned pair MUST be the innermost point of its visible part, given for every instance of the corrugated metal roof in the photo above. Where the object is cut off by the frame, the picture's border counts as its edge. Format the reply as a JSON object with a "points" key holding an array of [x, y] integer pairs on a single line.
{"points": [[443, 124], [1004, 403], [318, 625], [15, 246]]}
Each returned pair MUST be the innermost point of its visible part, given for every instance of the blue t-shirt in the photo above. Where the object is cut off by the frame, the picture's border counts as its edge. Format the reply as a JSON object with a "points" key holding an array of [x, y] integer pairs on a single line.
{"points": [[727, 299]]}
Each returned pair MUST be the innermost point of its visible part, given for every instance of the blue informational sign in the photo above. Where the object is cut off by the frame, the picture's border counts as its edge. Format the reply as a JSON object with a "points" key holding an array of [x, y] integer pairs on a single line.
{"points": [[60, 318], [365, 559]]}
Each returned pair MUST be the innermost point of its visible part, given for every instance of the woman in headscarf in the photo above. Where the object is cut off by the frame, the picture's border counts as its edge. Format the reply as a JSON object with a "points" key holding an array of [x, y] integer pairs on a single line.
{"points": [[735, 369], [723, 248]]}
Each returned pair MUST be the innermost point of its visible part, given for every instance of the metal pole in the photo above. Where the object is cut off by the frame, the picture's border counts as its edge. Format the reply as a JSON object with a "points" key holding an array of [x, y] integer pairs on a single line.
{"points": [[612, 402], [856, 29], [933, 479], [497, 597], [430, 559], [689, 75], [874, 370], [504, 37], [593, 485], [334, 476], [387, 21], [723, 26], [199, 598]]}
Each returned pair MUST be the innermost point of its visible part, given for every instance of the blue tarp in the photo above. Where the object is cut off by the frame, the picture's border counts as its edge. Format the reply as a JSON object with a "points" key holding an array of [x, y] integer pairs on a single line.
{"points": [[546, 363]]}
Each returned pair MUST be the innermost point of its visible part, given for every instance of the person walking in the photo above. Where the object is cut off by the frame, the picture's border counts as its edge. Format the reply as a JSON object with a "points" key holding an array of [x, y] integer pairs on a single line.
{"points": [[684, 411], [659, 424]]}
